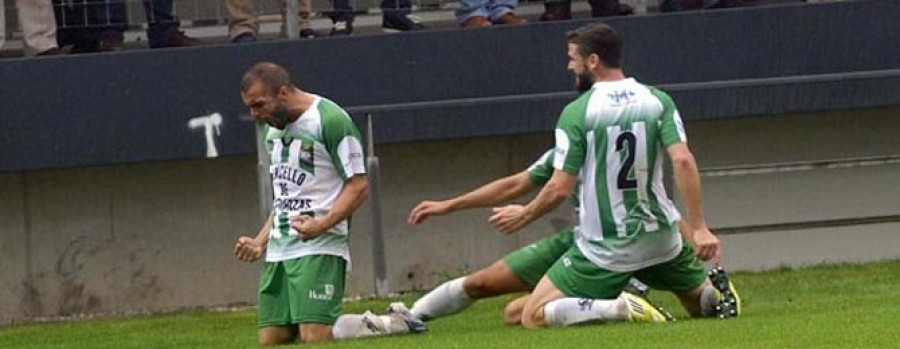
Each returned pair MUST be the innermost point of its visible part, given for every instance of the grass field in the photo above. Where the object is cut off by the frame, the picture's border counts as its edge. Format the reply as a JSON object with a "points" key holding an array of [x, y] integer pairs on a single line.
{"points": [[854, 306]]}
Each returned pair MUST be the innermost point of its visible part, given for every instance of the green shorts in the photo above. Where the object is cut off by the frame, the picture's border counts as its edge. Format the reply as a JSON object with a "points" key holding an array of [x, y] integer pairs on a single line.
{"points": [[309, 289], [576, 276], [529, 263]]}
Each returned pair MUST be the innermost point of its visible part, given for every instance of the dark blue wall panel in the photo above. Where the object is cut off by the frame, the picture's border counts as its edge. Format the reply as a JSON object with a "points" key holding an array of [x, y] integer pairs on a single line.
{"points": [[135, 106]]}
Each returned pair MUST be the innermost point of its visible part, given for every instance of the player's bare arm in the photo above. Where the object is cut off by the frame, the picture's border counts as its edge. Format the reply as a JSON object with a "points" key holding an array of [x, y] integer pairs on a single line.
{"points": [[352, 195], [687, 179], [511, 218], [249, 249], [493, 193]]}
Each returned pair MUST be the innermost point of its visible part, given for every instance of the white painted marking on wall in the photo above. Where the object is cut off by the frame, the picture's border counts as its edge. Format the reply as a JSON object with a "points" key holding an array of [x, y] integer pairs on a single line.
{"points": [[209, 123]]}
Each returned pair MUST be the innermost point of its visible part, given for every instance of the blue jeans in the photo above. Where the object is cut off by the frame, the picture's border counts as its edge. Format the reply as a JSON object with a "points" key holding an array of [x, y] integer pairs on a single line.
{"points": [[492, 9]]}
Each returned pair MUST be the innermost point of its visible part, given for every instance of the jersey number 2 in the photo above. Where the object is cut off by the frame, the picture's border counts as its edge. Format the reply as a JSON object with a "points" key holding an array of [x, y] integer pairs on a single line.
{"points": [[626, 139]]}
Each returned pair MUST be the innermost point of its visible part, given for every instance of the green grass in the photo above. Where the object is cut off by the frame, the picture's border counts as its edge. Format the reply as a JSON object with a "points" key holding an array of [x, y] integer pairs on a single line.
{"points": [[826, 306]]}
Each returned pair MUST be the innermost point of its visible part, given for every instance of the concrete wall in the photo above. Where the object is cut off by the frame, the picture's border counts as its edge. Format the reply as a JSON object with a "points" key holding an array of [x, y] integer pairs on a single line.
{"points": [[158, 236], [803, 194]]}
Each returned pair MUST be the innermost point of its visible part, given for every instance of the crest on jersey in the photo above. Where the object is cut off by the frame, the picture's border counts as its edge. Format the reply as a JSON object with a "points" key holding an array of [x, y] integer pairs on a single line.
{"points": [[307, 154], [620, 97]]}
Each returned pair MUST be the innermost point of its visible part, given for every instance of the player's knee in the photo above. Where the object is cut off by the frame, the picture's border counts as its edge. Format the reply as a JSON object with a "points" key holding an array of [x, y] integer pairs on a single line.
{"points": [[512, 314], [315, 334], [268, 341], [529, 322], [315, 338], [269, 337], [532, 318]]}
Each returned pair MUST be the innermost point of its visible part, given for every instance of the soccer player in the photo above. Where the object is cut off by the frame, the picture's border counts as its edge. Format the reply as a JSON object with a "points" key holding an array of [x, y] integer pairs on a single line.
{"points": [[611, 140], [518, 271], [319, 178]]}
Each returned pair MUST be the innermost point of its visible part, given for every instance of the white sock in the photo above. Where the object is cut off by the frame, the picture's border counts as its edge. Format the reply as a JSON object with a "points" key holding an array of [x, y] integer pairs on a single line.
{"points": [[708, 300], [447, 299], [570, 311], [366, 325]]}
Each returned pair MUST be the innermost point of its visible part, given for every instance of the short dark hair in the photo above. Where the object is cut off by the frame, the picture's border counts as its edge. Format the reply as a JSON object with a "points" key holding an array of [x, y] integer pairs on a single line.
{"points": [[271, 75], [600, 39]]}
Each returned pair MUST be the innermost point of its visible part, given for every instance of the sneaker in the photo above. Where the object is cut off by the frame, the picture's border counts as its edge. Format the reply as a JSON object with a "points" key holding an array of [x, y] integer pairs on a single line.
{"points": [[307, 33], [729, 304], [341, 28], [401, 23], [638, 288], [641, 310], [399, 310]]}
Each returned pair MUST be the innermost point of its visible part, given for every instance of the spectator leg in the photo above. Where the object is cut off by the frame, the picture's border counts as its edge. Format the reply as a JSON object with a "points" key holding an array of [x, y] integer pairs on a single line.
{"points": [[342, 11], [499, 8], [241, 18], [38, 25], [161, 21], [471, 8]]}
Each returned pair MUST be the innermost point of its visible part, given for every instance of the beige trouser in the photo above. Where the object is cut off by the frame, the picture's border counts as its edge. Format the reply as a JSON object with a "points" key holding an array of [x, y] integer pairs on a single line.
{"points": [[38, 25], [2, 24], [242, 16]]}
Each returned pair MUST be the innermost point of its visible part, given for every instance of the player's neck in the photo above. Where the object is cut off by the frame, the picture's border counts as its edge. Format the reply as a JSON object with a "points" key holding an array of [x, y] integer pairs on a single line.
{"points": [[609, 75], [299, 103]]}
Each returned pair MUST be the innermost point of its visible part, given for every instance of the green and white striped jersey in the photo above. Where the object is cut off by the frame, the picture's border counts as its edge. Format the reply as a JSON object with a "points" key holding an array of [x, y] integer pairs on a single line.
{"points": [[613, 138], [311, 158], [542, 169]]}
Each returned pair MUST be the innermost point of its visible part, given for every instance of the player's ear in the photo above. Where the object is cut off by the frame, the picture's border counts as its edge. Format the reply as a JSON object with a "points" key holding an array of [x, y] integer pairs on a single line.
{"points": [[284, 92], [594, 61]]}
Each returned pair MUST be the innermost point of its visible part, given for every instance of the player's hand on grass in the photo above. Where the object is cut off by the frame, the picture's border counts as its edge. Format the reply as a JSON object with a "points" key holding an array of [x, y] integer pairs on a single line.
{"points": [[247, 249], [309, 227], [510, 218], [427, 208], [707, 246]]}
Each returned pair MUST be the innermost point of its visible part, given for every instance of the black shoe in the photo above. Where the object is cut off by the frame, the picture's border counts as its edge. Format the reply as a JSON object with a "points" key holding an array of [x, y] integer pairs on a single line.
{"points": [[604, 8], [244, 38], [557, 11], [55, 51], [638, 288], [110, 43], [340, 28], [400, 23], [179, 39], [729, 302], [307, 33], [670, 6]]}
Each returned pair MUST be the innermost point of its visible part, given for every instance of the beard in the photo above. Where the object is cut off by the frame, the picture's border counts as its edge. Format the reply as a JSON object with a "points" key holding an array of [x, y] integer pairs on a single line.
{"points": [[280, 116], [584, 81]]}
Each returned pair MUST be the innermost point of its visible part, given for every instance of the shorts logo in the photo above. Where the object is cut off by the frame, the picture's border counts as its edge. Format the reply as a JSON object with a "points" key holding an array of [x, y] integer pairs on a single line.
{"points": [[326, 296], [567, 262]]}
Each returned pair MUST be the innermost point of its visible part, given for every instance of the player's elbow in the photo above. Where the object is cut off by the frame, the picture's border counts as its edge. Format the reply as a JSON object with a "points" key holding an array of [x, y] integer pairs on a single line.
{"points": [[359, 185], [363, 187], [558, 192], [683, 161]]}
